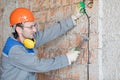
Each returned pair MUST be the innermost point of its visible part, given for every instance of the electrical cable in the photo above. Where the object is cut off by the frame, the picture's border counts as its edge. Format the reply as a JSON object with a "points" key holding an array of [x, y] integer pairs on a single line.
{"points": [[88, 46], [83, 10]]}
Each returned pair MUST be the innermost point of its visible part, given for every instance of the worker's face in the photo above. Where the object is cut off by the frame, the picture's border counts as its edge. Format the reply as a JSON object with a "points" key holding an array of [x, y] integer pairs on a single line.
{"points": [[29, 28]]}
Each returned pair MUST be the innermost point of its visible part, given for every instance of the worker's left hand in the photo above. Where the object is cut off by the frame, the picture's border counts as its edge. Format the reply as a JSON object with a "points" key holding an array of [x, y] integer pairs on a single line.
{"points": [[72, 56], [76, 15]]}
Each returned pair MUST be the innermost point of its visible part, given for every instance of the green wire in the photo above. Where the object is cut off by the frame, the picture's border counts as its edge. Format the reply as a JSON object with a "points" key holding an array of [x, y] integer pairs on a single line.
{"points": [[74, 49], [81, 6]]}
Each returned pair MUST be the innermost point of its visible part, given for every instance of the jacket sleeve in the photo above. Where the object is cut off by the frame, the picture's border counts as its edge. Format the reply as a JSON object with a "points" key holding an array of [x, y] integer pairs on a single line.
{"points": [[53, 31], [30, 62]]}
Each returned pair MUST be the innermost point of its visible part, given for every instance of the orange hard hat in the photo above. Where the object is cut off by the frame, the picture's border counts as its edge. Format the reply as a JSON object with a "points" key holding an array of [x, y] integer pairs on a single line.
{"points": [[20, 15]]}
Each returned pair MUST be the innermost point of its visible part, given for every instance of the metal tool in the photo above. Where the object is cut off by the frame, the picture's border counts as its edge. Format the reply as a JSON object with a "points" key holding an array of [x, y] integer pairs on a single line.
{"points": [[84, 39]]}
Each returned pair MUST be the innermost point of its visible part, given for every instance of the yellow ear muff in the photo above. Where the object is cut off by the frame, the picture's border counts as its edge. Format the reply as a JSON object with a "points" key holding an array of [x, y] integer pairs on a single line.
{"points": [[29, 43]]}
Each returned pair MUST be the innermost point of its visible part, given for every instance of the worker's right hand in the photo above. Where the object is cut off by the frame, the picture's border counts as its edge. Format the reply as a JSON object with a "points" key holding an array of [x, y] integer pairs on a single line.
{"points": [[76, 15], [72, 56]]}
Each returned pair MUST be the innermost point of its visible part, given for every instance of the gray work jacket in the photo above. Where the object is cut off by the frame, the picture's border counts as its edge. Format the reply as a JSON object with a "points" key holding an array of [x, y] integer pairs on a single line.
{"points": [[19, 63]]}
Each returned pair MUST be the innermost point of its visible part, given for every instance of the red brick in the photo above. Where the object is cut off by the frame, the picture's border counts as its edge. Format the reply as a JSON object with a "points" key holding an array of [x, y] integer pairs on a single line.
{"points": [[67, 10], [41, 17], [51, 15], [93, 41], [64, 2], [64, 43], [39, 5], [77, 1], [55, 3]]}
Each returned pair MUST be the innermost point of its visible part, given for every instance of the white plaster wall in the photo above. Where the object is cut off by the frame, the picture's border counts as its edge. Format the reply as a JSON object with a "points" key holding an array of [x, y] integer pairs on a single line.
{"points": [[110, 69]]}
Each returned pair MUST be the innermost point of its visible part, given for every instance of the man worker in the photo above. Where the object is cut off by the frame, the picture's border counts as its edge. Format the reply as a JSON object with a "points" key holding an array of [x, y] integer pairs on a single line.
{"points": [[19, 55]]}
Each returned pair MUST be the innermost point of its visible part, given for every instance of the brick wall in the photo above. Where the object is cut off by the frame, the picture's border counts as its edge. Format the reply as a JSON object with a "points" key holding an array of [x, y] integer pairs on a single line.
{"points": [[48, 12]]}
